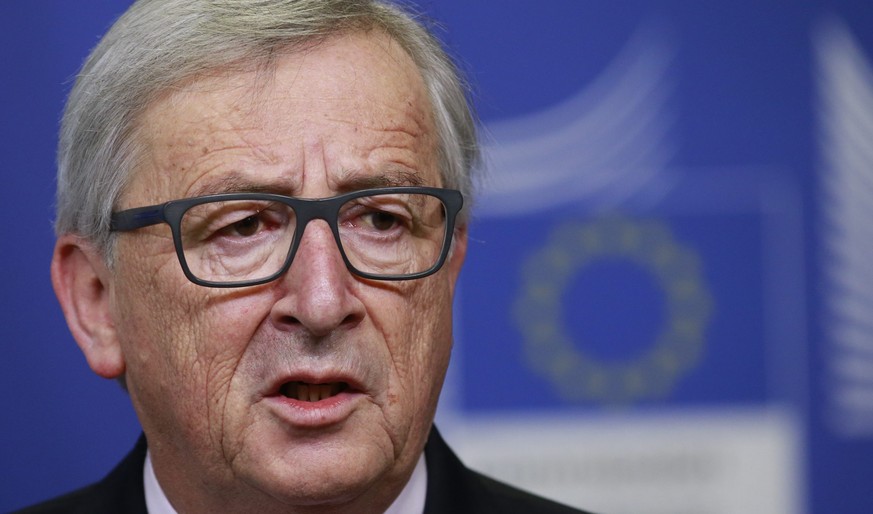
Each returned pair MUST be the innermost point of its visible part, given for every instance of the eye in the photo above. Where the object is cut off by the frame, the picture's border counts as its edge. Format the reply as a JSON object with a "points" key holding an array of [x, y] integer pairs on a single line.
{"points": [[381, 220], [251, 223], [246, 227]]}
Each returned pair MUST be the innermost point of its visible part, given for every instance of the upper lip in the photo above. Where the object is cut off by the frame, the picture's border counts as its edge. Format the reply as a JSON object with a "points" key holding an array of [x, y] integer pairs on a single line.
{"points": [[352, 382]]}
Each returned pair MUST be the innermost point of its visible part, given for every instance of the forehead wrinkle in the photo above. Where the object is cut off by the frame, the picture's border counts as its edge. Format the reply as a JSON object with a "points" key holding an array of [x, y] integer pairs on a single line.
{"points": [[207, 170], [408, 112], [406, 141], [208, 152], [215, 104], [416, 106], [410, 123]]}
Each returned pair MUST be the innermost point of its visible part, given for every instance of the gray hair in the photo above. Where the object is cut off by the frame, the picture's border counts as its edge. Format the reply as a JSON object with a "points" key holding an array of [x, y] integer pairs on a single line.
{"points": [[158, 44]]}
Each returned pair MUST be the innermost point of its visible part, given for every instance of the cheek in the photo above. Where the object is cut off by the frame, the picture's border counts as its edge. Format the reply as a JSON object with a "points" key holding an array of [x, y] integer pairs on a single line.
{"points": [[158, 324], [182, 344], [418, 334]]}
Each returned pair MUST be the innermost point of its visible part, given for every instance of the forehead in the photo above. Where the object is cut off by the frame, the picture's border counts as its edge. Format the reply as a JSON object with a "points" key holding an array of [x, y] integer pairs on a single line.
{"points": [[352, 108]]}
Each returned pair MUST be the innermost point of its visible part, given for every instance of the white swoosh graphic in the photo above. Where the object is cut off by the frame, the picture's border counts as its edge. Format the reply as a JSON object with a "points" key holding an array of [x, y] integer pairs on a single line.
{"points": [[602, 147], [845, 84]]}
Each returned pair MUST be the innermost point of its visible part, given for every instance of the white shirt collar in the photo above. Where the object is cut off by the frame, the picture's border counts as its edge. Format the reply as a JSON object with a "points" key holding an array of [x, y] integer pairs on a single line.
{"points": [[411, 499], [156, 500]]}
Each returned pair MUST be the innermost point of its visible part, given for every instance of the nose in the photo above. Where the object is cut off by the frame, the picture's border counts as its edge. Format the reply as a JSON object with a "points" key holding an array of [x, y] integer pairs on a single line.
{"points": [[317, 291]]}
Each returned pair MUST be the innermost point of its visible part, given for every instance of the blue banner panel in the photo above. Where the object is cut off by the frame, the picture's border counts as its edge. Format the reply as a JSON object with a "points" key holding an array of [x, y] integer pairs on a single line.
{"points": [[614, 311]]}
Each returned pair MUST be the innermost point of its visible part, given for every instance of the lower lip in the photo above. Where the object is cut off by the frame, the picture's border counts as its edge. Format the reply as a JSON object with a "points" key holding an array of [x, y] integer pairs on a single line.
{"points": [[320, 414]]}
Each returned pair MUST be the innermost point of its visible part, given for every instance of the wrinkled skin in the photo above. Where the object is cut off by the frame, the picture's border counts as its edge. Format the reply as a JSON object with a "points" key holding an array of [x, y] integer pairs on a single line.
{"points": [[203, 365]]}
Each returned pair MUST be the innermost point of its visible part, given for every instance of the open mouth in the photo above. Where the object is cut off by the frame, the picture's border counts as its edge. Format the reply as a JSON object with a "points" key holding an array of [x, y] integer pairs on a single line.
{"points": [[306, 392]]}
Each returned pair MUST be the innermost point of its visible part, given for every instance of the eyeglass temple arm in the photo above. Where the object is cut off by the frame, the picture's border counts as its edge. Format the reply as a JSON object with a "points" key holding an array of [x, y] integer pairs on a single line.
{"points": [[133, 219]]}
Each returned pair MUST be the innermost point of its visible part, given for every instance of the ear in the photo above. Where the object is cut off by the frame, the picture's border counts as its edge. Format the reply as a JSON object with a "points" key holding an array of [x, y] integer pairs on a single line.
{"points": [[457, 254], [81, 281]]}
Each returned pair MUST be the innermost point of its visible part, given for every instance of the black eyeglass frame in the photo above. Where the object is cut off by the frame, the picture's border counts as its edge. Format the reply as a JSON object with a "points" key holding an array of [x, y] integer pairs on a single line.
{"points": [[305, 209]]}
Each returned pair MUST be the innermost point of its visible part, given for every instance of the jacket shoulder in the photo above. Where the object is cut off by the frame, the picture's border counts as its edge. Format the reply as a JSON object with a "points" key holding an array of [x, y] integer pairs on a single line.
{"points": [[455, 489], [80, 501], [504, 498], [121, 491]]}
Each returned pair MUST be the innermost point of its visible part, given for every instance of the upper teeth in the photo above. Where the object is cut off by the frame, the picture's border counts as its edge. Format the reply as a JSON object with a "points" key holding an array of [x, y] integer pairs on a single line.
{"points": [[310, 392]]}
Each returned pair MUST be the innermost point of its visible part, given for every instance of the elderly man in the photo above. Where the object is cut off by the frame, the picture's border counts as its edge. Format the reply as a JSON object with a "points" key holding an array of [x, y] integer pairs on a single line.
{"points": [[260, 226]]}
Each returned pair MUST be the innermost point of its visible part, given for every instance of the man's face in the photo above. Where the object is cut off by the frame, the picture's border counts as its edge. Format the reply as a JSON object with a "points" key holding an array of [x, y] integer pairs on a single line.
{"points": [[210, 371]]}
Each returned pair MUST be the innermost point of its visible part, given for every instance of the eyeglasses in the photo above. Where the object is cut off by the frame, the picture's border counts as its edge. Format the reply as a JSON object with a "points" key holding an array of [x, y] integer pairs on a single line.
{"points": [[245, 239]]}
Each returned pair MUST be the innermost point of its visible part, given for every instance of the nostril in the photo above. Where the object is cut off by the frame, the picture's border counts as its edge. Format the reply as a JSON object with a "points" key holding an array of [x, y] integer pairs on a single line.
{"points": [[351, 319], [287, 323], [315, 327], [289, 320]]}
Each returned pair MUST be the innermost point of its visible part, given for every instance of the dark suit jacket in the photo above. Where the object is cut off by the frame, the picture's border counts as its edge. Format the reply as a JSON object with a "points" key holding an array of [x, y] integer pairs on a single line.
{"points": [[452, 488]]}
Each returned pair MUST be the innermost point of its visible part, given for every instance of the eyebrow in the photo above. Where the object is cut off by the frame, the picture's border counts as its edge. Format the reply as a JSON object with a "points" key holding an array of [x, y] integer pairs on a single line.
{"points": [[237, 183], [349, 181], [392, 177]]}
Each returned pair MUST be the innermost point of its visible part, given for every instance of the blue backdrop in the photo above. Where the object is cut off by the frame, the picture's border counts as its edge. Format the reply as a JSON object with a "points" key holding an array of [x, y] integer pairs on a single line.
{"points": [[675, 223]]}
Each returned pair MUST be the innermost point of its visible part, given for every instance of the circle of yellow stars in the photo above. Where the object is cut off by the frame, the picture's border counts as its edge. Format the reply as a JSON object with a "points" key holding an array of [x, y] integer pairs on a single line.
{"points": [[578, 376]]}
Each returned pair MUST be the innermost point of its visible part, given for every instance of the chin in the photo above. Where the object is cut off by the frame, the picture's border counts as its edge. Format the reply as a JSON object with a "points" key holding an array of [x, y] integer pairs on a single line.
{"points": [[319, 472]]}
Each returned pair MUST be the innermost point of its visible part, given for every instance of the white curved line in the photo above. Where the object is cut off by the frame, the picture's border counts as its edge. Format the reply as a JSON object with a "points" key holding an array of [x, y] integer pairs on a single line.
{"points": [[602, 146]]}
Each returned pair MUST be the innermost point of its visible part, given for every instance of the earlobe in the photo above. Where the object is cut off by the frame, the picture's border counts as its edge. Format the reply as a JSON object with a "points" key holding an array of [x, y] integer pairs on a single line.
{"points": [[81, 281]]}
